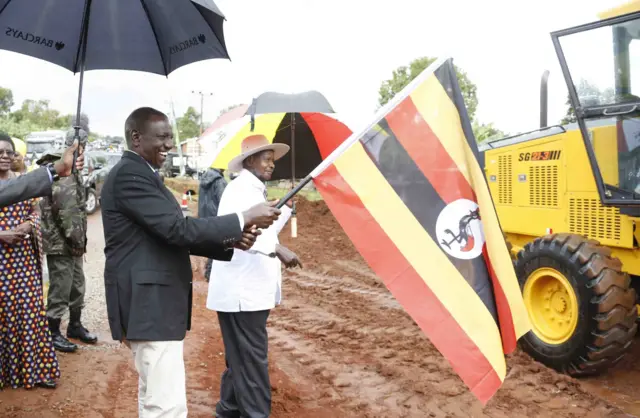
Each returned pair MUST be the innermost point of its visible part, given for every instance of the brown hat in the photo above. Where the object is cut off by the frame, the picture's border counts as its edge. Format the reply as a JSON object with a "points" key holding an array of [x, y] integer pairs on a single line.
{"points": [[254, 144]]}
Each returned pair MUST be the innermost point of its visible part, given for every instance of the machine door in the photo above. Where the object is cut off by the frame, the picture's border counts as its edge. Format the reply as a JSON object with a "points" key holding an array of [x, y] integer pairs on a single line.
{"points": [[600, 62]]}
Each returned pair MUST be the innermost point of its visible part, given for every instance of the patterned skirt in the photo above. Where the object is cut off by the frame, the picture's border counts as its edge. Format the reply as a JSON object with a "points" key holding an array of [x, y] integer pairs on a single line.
{"points": [[27, 356]]}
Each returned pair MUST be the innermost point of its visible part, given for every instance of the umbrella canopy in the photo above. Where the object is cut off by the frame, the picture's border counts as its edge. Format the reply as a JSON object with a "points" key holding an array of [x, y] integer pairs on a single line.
{"points": [[148, 35], [271, 102], [154, 36], [316, 136]]}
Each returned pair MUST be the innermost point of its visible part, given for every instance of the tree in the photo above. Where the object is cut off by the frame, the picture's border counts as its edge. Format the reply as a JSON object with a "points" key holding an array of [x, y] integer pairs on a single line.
{"points": [[16, 129], [403, 76], [189, 124], [34, 116], [486, 132], [38, 113], [84, 122], [589, 94], [6, 101]]}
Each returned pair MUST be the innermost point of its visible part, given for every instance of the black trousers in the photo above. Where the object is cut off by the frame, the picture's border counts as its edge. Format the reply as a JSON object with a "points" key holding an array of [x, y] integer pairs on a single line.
{"points": [[245, 390]]}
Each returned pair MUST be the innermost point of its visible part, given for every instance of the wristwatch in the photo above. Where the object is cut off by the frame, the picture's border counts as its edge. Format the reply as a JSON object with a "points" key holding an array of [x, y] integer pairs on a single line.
{"points": [[53, 172]]}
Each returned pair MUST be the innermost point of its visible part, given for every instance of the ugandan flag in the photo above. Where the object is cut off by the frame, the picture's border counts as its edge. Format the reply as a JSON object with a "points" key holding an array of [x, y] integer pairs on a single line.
{"points": [[410, 193]]}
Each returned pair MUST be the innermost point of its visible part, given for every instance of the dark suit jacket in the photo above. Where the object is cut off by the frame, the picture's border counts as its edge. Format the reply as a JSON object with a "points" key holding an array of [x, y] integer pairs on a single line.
{"points": [[147, 272], [33, 184]]}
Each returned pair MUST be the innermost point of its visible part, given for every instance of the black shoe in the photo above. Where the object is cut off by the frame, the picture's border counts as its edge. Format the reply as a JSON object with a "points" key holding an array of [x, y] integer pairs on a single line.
{"points": [[51, 384], [77, 331], [59, 342]]}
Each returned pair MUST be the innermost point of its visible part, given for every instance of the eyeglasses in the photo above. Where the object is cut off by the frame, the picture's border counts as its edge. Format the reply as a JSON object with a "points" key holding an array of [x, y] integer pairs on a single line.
{"points": [[9, 154]]}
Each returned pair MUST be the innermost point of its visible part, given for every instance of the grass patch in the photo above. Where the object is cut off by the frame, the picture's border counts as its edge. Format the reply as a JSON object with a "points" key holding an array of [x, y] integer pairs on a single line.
{"points": [[279, 193], [180, 186]]}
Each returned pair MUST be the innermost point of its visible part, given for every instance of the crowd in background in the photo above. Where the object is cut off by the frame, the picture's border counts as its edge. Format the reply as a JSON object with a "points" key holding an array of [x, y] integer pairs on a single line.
{"points": [[36, 233]]}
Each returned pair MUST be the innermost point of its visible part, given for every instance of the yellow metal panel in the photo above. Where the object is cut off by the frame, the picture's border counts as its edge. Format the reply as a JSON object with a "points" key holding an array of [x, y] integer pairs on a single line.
{"points": [[605, 146], [579, 176], [588, 217], [531, 221], [557, 194], [630, 7]]}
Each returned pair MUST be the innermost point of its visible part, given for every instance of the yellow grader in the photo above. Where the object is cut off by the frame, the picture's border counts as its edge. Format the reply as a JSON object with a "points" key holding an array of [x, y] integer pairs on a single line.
{"points": [[568, 200]]}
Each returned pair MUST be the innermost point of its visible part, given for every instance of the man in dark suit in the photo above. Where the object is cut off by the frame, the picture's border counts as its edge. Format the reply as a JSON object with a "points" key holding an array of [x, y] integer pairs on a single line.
{"points": [[148, 270], [38, 182]]}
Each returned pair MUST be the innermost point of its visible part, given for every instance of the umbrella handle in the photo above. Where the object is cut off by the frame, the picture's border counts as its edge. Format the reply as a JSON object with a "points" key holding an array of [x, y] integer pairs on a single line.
{"points": [[74, 169], [294, 226]]}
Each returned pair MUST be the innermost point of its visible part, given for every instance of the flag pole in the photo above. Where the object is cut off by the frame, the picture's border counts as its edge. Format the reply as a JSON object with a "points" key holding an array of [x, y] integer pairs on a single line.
{"points": [[382, 112], [294, 191]]}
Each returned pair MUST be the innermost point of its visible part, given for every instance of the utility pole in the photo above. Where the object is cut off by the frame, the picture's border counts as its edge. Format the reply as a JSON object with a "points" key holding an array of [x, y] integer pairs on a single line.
{"points": [[174, 122], [202, 94]]}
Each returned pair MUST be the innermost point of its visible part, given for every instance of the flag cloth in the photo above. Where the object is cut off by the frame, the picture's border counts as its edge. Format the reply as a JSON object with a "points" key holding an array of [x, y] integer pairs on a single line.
{"points": [[410, 193]]}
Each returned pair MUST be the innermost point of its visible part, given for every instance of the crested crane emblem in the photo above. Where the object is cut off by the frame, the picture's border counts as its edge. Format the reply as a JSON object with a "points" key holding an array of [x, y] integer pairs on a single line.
{"points": [[459, 230]]}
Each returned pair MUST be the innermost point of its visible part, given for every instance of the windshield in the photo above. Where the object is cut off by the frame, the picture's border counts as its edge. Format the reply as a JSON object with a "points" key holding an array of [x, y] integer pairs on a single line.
{"points": [[39, 147], [605, 64], [106, 160], [616, 145]]}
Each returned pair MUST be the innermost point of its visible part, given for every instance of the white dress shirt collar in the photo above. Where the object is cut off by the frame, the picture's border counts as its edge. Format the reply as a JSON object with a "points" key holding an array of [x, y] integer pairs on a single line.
{"points": [[150, 166]]}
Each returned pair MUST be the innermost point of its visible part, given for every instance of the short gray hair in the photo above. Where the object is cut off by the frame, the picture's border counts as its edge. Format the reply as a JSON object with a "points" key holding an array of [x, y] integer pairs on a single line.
{"points": [[71, 133]]}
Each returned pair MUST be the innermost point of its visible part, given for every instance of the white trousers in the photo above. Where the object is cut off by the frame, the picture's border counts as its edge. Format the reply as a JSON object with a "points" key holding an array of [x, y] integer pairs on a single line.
{"points": [[162, 390]]}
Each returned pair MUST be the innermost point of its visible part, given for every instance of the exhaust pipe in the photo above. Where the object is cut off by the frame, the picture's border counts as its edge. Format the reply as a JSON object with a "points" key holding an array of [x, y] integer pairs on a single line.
{"points": [[544, 99]]}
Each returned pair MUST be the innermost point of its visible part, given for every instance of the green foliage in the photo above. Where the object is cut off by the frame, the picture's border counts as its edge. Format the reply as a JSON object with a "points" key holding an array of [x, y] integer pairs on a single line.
{"points": [[16, 129], [6, 101], [403, 76], [588, 94], [189, 124], [38, 113], [486, 132], [34, 116]]}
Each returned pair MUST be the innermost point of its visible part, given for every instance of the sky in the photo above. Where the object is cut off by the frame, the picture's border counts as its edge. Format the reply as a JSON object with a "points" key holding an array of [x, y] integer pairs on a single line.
{"points": [[344, 49]]}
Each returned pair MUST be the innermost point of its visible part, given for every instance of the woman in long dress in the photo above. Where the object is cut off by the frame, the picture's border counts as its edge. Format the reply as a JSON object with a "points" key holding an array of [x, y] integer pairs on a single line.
{"points": [[27, 356]]}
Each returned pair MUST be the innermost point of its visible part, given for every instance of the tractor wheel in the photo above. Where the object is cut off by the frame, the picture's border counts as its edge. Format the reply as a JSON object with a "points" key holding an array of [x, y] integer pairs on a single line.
{"points": [[580, 303]]}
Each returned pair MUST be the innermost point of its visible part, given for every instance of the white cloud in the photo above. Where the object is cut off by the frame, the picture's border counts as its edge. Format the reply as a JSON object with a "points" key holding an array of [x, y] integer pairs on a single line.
{"points": [[342, 48]]}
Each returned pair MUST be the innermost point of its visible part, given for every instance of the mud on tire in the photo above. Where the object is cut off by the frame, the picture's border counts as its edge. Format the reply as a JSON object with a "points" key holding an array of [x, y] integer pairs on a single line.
{"points": [[606, 303]]}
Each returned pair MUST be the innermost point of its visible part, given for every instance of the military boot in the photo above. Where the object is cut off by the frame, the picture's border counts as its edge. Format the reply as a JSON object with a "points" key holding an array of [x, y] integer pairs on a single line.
{"points": [[77, 331], [59, 342]]}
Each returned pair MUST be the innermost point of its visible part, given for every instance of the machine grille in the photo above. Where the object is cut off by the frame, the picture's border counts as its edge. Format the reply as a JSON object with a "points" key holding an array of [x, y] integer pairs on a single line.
{"points": [[543, 185], [588, 217], [505, 180]]}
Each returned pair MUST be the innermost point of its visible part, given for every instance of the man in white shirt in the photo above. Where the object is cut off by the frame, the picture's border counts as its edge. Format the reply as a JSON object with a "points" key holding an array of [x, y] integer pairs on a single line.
{"points": [[244, 290]]}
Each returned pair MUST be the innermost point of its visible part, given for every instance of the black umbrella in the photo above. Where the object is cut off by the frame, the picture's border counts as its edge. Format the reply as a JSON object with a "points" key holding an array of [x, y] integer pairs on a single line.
{"points": [[292, 105], [155, 36]]}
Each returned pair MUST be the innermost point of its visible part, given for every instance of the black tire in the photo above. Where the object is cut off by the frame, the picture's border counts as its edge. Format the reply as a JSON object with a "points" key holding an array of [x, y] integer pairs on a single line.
{"points": [[606, 304], [509, 248], [91, 197]]}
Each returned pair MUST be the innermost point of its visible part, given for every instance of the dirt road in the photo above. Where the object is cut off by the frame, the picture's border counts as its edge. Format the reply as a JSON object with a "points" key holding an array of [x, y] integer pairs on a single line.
{"points": [[340, 346]]}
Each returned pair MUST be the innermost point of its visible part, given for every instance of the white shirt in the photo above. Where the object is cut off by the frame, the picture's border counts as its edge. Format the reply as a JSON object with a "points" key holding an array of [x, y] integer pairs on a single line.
{"points": [[251, 281]]}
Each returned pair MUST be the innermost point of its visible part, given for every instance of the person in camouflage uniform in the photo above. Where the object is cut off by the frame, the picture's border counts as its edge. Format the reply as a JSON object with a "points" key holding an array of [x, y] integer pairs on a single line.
{"points": [[64, 236], [212, 184]]}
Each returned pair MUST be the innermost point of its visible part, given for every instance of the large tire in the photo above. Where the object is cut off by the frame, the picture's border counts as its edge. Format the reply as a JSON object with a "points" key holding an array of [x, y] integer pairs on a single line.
{"points": [[606, 304], [92, 202], [509, 248]]}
